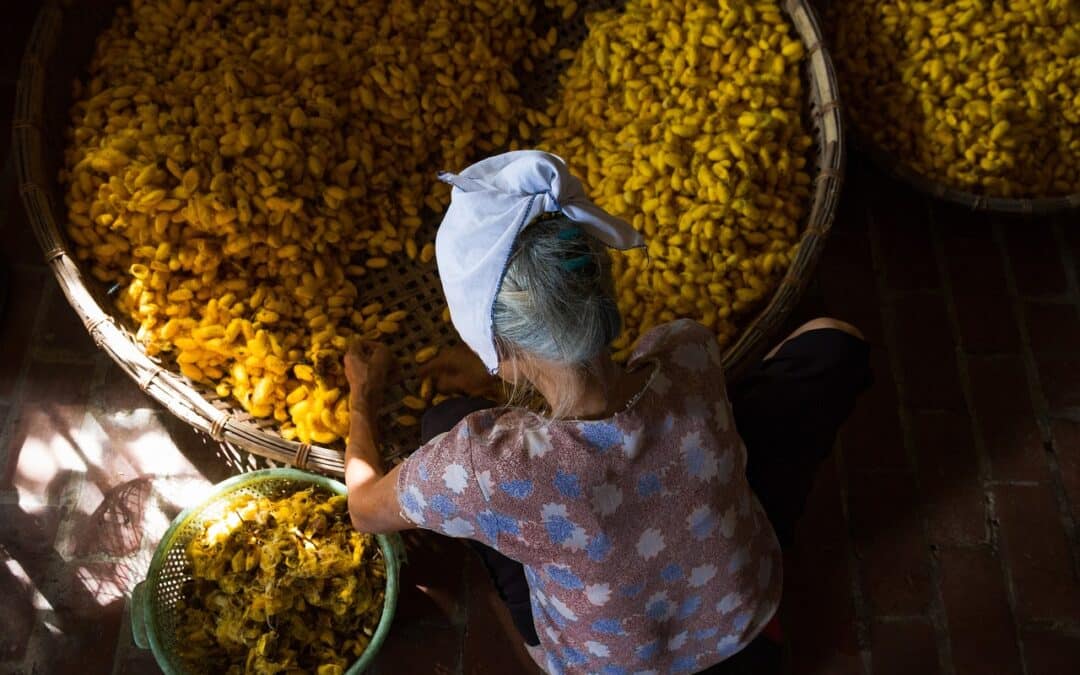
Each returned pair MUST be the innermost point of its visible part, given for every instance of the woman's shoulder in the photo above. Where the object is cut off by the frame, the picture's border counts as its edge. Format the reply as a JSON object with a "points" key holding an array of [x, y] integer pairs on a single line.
{"points": [[501, 431], [497, 420], [686, 342]]}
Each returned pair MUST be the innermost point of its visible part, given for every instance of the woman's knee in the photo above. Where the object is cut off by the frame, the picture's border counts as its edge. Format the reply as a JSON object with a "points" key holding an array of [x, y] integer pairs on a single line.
{"points": [[826, 322], [821, 323], [442, 417]]}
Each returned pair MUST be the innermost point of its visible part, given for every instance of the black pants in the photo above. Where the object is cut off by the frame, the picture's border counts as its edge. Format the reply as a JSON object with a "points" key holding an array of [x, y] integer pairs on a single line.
{"points": [[788, 409]]}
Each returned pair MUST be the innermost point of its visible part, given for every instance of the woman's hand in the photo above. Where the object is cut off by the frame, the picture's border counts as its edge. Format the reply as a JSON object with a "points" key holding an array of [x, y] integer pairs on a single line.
{"points": [[373, 504], [458, 370], [367, 368]]}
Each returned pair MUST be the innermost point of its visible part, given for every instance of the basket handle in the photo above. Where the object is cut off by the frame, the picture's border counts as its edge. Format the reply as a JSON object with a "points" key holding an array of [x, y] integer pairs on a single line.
{"points": [[138, 616]]}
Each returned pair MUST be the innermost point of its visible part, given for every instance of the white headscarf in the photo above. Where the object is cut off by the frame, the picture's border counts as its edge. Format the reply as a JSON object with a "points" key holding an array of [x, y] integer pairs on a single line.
{"points": [[491, 202]]}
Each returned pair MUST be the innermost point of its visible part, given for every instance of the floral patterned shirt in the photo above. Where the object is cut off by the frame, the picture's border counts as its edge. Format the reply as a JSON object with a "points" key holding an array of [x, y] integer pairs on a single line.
{"points": [[644, 548]]}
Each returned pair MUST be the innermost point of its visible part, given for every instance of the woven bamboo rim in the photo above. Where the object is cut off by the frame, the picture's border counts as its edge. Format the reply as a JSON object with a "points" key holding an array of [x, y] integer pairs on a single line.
{"points": [[38, 147], [897, 170]]}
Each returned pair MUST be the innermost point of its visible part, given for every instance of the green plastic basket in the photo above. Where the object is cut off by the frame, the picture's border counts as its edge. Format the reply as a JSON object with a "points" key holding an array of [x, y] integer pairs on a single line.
{"points": [[153, 601]]}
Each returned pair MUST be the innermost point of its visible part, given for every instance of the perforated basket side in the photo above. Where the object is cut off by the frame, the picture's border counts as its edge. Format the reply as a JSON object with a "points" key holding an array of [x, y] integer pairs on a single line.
{"points": [[170, 569]]}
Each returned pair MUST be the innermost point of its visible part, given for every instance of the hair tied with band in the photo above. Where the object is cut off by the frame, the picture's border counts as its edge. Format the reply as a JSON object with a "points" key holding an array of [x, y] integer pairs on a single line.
{"points": [[577, 262], [572, 232], [491, 203]]}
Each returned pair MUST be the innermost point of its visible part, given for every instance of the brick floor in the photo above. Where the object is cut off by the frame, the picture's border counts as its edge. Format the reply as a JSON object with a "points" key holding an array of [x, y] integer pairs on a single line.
{"points": [[942, 536]]}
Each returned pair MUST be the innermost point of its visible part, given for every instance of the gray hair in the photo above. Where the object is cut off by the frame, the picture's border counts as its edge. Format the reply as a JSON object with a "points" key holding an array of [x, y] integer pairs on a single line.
{"points": [[557, 298]]}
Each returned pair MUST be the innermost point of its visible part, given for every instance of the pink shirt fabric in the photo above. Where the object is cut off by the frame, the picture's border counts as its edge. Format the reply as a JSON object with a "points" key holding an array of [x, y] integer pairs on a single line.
{"points": [[644, 548]]}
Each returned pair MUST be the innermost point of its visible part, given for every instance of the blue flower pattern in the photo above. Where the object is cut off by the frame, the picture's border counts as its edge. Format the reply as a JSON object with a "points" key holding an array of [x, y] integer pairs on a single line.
{"points": [[556, 618], [706, 634], [492, 524], [726, 648], [559, 529], [648, 651], [443, 505], [607, 626], [671, 573], [573, 657], [567, 484], [535, 582], [598, 548], [601, 435], [695, 460], [555, 663], [562, 575], [518, 489], [410, 502], [741, 621], [703, 524], [689, 607], [648, 485], [668, 424], [658, 610]]}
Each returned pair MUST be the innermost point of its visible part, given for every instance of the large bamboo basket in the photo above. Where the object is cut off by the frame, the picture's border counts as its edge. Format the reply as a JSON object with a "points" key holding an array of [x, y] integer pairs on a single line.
{"points": [[895, 168], [60, 45]]}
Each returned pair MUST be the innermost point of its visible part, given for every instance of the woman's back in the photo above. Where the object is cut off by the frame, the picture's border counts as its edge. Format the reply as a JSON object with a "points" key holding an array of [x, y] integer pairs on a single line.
{"points": [[643, 544]]}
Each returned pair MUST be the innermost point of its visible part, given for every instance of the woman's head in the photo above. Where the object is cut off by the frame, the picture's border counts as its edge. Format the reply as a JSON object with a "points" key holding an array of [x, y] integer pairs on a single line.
{"points": [[556, 300], [548, 308]]}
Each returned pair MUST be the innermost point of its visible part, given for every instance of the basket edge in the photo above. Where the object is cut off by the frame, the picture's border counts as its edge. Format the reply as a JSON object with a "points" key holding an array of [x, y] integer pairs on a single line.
{"points": [[828, 187]]}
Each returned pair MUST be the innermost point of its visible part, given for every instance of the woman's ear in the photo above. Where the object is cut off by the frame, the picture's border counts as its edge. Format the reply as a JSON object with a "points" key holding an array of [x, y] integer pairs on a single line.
{"points": [[510, 370]]}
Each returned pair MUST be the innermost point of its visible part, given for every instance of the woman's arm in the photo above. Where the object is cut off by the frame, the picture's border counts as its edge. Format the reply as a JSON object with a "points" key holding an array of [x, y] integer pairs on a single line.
{"points": [[373, 504]]}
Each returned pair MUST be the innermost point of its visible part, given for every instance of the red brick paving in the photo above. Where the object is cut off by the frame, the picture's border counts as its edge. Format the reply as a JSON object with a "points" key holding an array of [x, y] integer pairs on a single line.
{"points": [[904, 237], [982, 633], [1060, 380], [873, 435], [1066, 445], [1052, 326], [819, 596], [890, 545], [29, 530], [421, 648], [17, 323], [1035, 258], [973, 260], [1038, 553], [987, 325], [486, 651], [1007, 424], [20, 245], [41, 445], [435, 592], [83, 640], [925, 349], [1051, 652], [61, 331], [903, 647], [17, 615], [941, 537], [949, 477]]}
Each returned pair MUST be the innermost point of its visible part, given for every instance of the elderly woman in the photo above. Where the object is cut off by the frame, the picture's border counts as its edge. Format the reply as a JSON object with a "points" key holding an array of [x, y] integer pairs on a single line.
{"points": [[636, 525]]}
